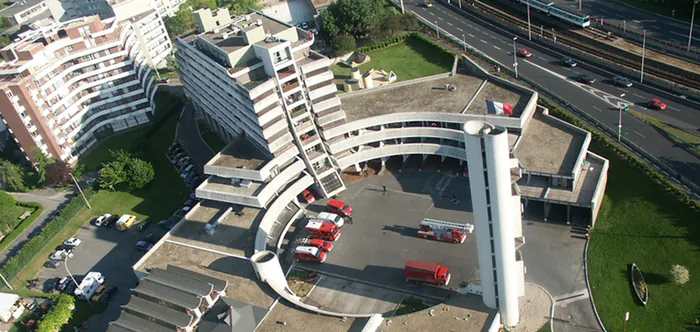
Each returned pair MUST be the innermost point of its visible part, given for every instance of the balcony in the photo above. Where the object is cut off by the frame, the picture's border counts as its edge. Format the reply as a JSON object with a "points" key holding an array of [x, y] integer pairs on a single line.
{"points": [[303, 126], [310, 140], [299, 111], [288, 87]]}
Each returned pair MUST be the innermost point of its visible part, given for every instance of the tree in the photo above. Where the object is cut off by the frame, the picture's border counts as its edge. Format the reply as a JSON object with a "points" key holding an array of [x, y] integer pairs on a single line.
{"points": [[353, 17], [243, 6], [58, 174], [344, 44], [180, 23], [197, 4], [139, 173], [680, 274], [41, 160], [12, 176]]}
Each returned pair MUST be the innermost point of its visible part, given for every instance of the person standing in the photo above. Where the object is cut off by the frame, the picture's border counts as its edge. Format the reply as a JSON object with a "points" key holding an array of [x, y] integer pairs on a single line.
{"points": [[384, 190]]}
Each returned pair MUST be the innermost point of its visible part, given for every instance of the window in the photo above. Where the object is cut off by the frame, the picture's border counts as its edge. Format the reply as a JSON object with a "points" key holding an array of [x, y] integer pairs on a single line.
{"points": [[10, 94], [29, 87]]}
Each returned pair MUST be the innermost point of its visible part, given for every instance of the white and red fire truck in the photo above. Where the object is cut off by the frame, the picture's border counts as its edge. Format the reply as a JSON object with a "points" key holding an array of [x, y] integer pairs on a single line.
{"points": [[445, 231], [309, 254], [322, 230]]}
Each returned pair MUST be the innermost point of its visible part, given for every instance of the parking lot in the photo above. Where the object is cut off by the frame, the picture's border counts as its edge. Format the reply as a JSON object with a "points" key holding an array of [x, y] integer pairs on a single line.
{"points": [[110, 252], [383, 235]]}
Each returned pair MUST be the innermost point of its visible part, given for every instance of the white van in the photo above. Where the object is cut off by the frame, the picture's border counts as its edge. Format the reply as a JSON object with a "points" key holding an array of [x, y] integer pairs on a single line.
{"points": [[331, 217]]}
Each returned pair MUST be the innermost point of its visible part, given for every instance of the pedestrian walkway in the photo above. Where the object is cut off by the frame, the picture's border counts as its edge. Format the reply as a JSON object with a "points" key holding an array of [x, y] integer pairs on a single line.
{"points": [[189, 136]]}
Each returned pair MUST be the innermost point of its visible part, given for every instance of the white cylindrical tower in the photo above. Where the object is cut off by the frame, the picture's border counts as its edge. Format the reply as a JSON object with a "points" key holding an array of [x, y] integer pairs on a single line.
{"points": [[496, 210]]}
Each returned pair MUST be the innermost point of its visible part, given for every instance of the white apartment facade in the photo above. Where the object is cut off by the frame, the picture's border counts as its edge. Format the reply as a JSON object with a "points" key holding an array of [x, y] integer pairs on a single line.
{"points": [[70, 84], [122, 9], [253, 76]]}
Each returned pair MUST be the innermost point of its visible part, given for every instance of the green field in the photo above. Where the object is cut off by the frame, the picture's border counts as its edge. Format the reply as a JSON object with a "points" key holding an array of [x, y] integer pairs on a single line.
{"points": [[640, 223], [425, 60]]}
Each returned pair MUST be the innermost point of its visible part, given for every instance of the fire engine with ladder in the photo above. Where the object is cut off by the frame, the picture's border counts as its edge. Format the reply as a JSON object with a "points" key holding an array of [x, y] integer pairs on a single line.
{"points": [[445, 231]]}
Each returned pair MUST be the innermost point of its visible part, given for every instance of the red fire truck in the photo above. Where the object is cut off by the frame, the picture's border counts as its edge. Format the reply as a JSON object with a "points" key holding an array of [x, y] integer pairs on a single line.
{"points": [[445, 231], [427, 272], [309, 254], [322, 230]]}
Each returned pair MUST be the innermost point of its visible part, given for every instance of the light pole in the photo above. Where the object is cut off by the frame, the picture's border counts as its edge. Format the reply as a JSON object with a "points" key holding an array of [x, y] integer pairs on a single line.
{"points": [[437, 29], [6, 283], [515, 58], [81, 191], [692, 21], [402, 10], [627, 317], [579, 5], [464, 41], [644, 45], [529, 31], [65, 264], [619, 122], [624, 26], [460, 4]]}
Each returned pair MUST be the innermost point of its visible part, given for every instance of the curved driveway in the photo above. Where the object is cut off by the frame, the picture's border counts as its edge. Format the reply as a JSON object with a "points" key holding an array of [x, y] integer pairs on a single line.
{"points": [[599, 100]]}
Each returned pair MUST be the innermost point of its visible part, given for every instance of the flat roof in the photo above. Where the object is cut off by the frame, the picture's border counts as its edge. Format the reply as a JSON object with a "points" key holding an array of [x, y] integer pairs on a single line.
{"points": [[431, 96], [550, 146], [582, 195], [19, 7], [234, 235], [243, 284], [241, 153], [235, 41], [298, 319], [219, 184], [458, 313]]}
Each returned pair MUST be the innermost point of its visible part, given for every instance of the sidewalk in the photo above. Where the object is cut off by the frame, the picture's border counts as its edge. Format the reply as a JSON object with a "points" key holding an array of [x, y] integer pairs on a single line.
{"points": [[50, 199]]}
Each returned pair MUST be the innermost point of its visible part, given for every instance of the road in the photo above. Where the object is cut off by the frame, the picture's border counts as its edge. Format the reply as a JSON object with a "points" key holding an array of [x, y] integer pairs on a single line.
{"points": [[600, 100], [656, 25]]}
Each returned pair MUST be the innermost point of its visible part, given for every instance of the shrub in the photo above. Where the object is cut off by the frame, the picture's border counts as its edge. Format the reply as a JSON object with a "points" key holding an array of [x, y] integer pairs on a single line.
{"points": [[344, 44], [59, 314], [680, 274]]}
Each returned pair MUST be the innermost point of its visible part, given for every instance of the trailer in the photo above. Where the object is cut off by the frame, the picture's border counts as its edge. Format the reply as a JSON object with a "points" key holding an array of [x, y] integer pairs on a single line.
{"points": [[89, 285], [445, 231]]}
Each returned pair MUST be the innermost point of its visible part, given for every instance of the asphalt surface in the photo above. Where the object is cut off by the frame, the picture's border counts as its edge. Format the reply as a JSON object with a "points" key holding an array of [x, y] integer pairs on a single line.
{"points": [[656, 25], [600, 100], [188, 135]]}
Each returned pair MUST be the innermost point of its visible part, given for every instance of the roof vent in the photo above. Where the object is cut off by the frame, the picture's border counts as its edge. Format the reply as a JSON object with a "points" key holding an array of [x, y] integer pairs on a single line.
{"points": [[247, 17], [259, 22]]}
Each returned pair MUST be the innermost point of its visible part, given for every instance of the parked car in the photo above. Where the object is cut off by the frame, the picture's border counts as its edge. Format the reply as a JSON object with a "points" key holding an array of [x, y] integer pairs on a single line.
{"points": [[195, 183], [144, 246], [190, 203], [53, 264], [307, 196], [340, 208], [166, 224], [108, 294], [70, 288], [151, 238], [524, 53], [73, 242], [585, 79], [194, 197], [61, 255], [177, 157], [190, 176], [622, 81], [100, 221], [325, 246], [568, 62], [183, 161], [62, 283], [142, 226], [109, 222], [173, 147], [657, 104]]}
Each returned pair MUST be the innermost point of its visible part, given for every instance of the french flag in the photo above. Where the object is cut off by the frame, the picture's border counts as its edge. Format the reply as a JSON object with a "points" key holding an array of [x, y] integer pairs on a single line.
{"points": [[499, 108]]}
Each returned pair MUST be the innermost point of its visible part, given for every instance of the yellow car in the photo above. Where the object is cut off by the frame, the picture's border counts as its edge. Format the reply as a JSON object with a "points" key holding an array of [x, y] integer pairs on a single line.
{"points": [[428, 4]]}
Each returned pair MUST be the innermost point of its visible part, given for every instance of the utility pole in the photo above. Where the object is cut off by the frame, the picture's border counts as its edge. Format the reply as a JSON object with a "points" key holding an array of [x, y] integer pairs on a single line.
{"points": [[644, 45], [464, 41], [554, 37], [81, 191], [627, 317], [541, 31], [529, 30], [6, 283], [579, 5], [692, 21], [515, 58], [619, 122], [624, 26], [402, 10], [437, 29]]}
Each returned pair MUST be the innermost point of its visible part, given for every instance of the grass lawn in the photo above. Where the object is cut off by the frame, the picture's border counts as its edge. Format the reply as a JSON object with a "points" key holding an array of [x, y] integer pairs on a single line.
{"points": [[211, 137], [423, 58], [640, 223], [18, 210]]}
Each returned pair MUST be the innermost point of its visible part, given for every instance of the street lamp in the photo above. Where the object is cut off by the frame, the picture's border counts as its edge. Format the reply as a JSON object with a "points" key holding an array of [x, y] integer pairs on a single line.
{"points": [[81, 191], [515, 58], [619, 122], [402, 10], [464, 41], [692, 20], [437, 29], [65, 264], [6, 283], [627, 318], [529, 31], [579, 5], [644, 45]]}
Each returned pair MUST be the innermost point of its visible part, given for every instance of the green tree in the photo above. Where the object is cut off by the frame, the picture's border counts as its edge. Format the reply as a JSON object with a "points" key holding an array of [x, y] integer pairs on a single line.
{"points": [[344, 44], [41, 160], [111, 175], [353, 17], [180, 23], [197, 4], [12, 176], [59, 314], [139, 173], [58, 174], [329, 26], [243, 6]]}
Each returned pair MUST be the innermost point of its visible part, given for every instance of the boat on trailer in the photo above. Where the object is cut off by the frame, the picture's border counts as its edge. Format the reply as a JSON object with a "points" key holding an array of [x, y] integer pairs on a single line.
{"points": [[640, 286]]}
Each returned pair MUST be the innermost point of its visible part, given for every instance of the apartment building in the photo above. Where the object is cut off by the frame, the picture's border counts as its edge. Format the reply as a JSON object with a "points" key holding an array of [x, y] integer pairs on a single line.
{"points": [[70, 84], [24, 11], [122, 9], [255, 78]]}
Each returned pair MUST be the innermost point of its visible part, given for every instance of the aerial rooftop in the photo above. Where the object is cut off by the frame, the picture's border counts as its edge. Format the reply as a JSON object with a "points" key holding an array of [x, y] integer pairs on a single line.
{"points": [[432, 96], [240, 153], [550, 146]]}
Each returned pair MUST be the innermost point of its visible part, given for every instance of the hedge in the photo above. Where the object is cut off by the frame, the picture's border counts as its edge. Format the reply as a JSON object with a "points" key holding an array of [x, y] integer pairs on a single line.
{"points": [[59, 314], [9, 238], [25, 255], [401, 38]]}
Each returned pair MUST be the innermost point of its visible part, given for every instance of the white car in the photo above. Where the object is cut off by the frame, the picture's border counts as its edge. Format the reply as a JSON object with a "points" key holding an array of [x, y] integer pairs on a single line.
{"points": [[101, 219], [61, 255], [73, 242]]}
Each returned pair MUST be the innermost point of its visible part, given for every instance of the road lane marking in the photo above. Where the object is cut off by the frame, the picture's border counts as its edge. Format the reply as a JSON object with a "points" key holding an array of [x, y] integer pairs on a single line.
{"points": [[471, 26], [431, 13], [683, 35], [493, 37], [496, 47], [440, 18], [637, 95], [603, 10], [673, 108], [598, 109], [448, 23], [636, 132], [470, 35], [477, 29], [483, 41], [460, 29]]}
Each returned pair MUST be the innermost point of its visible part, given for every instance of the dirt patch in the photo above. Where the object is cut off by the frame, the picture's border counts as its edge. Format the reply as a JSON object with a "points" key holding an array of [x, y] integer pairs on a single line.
{"points": [[302, 281]]}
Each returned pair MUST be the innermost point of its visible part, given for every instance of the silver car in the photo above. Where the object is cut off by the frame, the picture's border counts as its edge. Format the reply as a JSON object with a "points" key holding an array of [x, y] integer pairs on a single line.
{"points": [[621, 81]]}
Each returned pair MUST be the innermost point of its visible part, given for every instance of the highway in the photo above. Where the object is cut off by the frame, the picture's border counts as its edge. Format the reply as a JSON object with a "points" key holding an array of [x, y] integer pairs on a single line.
{"points": [[600, 99], [657, 26]]}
